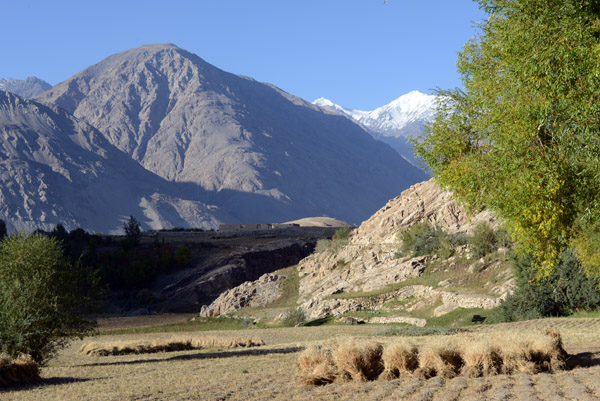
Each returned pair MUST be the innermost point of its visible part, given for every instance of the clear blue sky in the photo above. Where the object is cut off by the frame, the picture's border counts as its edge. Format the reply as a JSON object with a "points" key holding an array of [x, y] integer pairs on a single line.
{"points": [[359, 53]]}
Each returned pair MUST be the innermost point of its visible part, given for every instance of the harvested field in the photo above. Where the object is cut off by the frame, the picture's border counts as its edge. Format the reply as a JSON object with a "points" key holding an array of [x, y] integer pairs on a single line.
{"points": [[267, 373]]}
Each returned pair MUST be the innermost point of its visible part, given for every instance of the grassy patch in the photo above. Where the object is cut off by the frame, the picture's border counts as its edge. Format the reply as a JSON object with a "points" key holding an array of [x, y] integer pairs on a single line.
{"points": [[414, 331], [460, 317], [586, 314], [289, 288]]}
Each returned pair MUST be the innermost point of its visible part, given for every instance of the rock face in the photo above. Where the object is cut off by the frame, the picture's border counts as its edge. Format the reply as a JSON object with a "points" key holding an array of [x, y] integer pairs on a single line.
{"points": [[27, 88], [251, 293], [263, 154], [369, 261], [57, 169]]}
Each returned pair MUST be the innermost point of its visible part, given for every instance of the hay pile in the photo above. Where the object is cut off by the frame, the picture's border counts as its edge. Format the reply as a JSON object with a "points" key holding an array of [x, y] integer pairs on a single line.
{"points": [[173, 344], [468, 356], [17, 372]]}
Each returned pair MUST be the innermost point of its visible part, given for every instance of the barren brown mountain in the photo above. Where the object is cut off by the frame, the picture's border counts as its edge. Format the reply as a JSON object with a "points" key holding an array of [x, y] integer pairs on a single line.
{"points": [[265, 154]]}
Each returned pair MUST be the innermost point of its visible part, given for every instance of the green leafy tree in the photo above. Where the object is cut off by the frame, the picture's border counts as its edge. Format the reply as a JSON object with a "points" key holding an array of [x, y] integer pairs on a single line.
{"points": [[133, 232], [523, 137], [41, 297]]}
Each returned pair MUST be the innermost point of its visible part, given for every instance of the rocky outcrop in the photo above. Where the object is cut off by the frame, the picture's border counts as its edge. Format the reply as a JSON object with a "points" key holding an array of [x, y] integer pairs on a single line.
{"points": [[260, 292], [207, 281], [369, 261]]}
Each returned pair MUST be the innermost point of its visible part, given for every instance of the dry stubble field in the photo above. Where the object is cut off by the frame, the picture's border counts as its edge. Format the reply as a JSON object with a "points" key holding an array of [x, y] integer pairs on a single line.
{"points": [[268, 373]]}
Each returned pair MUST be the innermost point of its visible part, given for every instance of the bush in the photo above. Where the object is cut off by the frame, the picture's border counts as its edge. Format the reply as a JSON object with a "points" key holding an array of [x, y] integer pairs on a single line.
{"points": [[567, 290], [483, 239], [183, 256], [424, 239], [2, 229], [41, 297], [294, 318], [341, 235]]}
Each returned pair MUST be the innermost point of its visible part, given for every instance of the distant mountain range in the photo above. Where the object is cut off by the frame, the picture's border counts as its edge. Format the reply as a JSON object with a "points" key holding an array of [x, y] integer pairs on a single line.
{"points": [[394, 122], [27, 88], [175, 141]]}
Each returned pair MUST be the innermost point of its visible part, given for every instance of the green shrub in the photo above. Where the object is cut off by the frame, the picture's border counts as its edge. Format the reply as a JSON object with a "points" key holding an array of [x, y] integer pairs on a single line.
{"points": [[41, 297], [341, 235], [293, 318], [424, 239], [567, 290], [483, 239]]}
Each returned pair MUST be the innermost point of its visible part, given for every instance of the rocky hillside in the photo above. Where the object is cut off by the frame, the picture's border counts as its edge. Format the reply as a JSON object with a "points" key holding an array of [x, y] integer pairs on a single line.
{"points": [[263, 154], [57, 169], [369, 272]]}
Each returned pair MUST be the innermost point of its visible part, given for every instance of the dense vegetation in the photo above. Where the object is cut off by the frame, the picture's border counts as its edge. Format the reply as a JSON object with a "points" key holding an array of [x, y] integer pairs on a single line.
{"points": [[523, 137], [42, 297], [49, 280]]}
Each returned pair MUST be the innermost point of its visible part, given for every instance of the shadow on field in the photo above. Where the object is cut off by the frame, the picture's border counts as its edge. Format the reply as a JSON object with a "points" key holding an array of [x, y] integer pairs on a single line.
{"points": [[49, 381], [583, 360], [204, 355]]}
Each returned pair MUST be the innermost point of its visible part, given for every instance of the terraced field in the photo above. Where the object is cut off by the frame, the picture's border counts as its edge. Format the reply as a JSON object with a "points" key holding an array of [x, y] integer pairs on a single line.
{"points": [[268, 373]]}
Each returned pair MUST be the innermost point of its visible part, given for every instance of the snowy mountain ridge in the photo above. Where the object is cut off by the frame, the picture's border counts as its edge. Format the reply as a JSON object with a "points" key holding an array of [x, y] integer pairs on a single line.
{"points": [[394, 122], [401, 117]]}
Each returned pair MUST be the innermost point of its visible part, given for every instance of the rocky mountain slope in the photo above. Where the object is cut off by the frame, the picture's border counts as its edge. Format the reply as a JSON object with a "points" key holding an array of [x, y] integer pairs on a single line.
{"points": [[263, 154], [57, 169], [394, 122], [27, 88], [367, 271]]}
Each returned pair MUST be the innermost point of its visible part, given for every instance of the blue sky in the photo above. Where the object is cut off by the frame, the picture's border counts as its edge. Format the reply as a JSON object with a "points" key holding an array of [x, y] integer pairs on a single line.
{"points": [[359, 53]]}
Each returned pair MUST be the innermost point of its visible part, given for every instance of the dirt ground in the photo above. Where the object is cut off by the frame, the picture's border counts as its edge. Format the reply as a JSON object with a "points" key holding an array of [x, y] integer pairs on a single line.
{"points": [[268, 373]]}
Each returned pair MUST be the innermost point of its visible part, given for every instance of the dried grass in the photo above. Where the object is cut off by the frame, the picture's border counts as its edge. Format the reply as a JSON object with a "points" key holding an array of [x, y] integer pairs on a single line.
{"points": [[533, 353], [17, 372], [400, 359], [358, 361], [174, 344], [440, 359], [315, 366], [468, 356], [481, 358]]}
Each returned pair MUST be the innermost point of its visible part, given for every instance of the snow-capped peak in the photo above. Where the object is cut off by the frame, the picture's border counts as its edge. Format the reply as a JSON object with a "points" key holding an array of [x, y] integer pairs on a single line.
{"points": [[401, 117]]}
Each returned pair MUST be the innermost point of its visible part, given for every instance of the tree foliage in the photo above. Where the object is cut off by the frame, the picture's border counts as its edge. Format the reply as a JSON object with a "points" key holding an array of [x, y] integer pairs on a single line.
{"points": [[561, 293], [41, 297], [523, 137], [133, 232]]}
